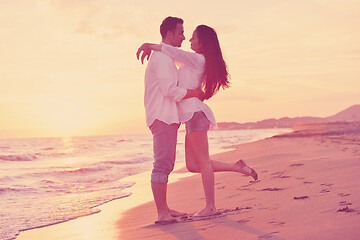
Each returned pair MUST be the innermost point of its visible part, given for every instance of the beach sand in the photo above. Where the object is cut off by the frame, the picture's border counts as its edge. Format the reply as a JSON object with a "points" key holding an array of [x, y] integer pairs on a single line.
{"points": [[308, 188]]}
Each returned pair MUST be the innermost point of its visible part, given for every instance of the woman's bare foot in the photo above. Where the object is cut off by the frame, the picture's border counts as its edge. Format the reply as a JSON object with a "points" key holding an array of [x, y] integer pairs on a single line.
{"points": [[206, 212], [241, 167]]}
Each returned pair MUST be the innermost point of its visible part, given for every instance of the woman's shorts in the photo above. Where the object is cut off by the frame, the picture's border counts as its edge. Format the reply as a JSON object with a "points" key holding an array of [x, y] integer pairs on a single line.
{"points": [[198, 123]]}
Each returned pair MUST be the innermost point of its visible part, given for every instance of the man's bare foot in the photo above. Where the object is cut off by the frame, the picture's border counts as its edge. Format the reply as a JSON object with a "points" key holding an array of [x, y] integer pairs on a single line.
{"points": [[165, 218], [175, 213], [206, 212], [166, 222], [241, 167]]}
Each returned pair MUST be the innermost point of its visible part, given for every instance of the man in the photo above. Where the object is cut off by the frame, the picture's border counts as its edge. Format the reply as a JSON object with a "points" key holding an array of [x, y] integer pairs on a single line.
{"points": [[161, 95]]}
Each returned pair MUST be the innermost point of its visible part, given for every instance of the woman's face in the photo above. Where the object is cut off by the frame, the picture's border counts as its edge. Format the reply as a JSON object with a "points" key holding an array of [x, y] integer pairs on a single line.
{"points": [[195, 44]]}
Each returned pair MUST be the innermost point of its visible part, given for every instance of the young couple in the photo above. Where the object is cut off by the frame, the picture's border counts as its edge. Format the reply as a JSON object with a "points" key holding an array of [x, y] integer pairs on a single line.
{"points": [[175, 96]]}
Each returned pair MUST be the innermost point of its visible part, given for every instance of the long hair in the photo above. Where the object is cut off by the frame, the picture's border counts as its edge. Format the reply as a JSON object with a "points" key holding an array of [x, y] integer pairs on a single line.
{"points": [[216, 74]]}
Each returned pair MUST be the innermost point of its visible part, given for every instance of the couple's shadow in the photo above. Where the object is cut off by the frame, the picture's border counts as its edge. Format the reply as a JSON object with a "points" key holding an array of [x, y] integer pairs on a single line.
{"points": [[188, 231]]}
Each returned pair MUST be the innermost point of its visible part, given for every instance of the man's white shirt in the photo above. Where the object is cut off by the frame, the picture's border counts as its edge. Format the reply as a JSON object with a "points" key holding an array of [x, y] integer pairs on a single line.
{"points": [[162, 90]]}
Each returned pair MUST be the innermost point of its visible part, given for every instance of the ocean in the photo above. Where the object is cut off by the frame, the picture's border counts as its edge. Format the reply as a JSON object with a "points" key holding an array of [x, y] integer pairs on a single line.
{"points": [[45, 181]]}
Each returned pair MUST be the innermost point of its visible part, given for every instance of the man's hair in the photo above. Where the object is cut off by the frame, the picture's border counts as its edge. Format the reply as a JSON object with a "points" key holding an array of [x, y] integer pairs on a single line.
{"points": [[169, 24]]}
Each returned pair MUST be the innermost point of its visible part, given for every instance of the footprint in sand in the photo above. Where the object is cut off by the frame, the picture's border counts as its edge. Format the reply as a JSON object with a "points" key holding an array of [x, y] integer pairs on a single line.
{"points": [[272, 189], [221, 213], [345, 203], [325, 191], [251, 183], [279, 175], [284, 176], [244, 189], [344, 194], [237, 209], [296, 165], [327, 184], [278, 223], [187, 219], [308, 182], [346, 209], [301, 197]]}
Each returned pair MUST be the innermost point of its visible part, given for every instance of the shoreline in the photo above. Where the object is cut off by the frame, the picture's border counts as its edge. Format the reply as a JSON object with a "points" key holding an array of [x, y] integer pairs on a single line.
{"points": [[248, 209], [140, 194], [141, 187]]}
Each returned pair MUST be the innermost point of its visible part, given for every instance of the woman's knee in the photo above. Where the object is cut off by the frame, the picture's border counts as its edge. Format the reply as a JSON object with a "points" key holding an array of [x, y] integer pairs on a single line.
{"points": [[191, 167], [205, 165]]}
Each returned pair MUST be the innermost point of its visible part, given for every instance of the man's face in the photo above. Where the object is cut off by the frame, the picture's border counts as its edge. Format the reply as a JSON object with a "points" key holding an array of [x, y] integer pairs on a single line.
{"points": [[178, 36]]}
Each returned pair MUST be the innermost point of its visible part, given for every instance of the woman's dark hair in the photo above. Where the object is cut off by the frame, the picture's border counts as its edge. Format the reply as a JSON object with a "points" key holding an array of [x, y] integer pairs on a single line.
{"points": [[169, 24], [216, 74]]}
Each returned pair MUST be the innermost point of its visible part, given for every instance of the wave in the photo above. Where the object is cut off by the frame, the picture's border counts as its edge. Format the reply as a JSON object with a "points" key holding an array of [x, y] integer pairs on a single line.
{"points": [[63, 215], [48, 149], [68, 172], [31, 156], [19, 157], [3, 190], [133, 161], [84, 170], [9, 189]]}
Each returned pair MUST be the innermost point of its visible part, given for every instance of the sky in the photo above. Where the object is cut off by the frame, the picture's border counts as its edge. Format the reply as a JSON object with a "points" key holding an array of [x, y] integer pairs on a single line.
{"points": [[68, 68]]}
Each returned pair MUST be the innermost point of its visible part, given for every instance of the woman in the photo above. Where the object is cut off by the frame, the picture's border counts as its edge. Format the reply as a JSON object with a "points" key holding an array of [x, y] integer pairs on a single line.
{"points": [[204, 68]]}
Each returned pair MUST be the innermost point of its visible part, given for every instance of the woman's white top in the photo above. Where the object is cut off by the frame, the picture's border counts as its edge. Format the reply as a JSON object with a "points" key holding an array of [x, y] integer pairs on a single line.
{"points": [[190, 77]]}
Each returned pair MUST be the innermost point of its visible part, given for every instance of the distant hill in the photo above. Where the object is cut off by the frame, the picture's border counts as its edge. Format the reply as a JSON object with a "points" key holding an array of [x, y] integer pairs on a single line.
{"points": [[351, 114]]}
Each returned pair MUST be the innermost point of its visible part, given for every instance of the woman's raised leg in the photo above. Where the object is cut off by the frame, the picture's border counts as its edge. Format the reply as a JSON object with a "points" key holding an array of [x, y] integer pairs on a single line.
{"points": [[193, 166]]}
